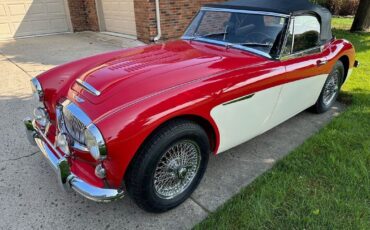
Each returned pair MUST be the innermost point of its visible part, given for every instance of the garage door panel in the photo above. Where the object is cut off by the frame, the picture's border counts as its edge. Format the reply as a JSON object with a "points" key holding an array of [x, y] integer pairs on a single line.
{"points": [[32, 17], [30, 26], [2, 10], [59, 25], [37, 9], [5, 29], [119, 16], [55, 8], [17, 9]]}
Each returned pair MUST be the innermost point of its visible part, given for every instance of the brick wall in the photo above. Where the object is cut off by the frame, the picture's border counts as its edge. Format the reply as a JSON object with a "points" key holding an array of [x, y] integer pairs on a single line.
{"points": [[145, 18], [175, 17], [83, 15], [92, 15]]}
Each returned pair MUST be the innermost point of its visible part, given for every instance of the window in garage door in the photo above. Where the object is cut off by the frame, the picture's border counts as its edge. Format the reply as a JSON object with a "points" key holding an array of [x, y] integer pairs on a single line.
{"points": [[118, 16], [20, 18]]}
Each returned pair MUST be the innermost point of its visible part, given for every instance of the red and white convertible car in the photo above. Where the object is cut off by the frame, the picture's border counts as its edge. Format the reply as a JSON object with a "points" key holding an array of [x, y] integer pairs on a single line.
{"points": [[143, 121]]}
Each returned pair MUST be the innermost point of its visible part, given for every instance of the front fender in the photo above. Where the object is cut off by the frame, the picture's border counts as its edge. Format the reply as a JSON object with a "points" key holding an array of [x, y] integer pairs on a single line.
{"points": [[127, 129]]}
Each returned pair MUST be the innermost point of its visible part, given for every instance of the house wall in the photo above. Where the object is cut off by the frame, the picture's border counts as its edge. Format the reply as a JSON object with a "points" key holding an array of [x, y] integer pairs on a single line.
{"points": [[175, 17], [145, 17], [83, 15]]}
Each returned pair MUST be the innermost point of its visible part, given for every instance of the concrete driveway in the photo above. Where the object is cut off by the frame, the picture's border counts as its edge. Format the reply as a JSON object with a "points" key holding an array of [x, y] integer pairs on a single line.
{"points": [[29, 194]]}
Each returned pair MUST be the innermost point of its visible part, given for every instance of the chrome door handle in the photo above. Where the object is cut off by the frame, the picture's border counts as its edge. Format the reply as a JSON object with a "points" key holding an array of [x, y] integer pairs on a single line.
{"points": [[321, 62]]}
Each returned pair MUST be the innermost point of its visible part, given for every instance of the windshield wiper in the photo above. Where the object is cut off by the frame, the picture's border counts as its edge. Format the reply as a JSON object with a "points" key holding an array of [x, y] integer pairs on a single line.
{"points": [[253, 44]]}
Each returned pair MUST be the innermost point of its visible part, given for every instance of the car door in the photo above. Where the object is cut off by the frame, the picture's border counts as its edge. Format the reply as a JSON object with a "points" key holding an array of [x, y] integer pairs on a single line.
{"points": [[242, 118], [306, 71], [250, 94]]}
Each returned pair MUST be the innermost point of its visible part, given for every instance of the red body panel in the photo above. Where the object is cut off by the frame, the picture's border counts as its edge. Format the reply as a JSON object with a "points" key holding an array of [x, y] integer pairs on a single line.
{"points": [[142, 88]]}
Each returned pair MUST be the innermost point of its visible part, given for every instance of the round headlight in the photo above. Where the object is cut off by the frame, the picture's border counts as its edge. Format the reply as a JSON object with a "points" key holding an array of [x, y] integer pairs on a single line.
{"points": [[37, 89], [95, 142], [41, 116], [62, 143]]}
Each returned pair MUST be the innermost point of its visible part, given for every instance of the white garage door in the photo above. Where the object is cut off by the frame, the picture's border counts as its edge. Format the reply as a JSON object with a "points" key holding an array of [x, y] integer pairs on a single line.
{"points": [[119, 16], [32, 17]]}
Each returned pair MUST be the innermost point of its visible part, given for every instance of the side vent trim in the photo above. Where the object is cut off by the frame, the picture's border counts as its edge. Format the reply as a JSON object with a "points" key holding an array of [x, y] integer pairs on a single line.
{"points": [[239, 99]]}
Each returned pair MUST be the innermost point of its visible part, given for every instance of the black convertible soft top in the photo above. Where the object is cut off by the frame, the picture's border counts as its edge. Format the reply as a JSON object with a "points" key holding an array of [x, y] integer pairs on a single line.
{"points": [[289, 7]]}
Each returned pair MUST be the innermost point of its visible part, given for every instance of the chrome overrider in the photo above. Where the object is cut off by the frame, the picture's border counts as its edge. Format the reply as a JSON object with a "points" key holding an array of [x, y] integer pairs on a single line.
{"points": [[36, 135], [66, 178]]}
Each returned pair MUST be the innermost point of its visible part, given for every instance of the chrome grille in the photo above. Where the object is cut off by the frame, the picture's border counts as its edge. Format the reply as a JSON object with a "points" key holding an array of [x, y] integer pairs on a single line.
{"points": [[74, 127]]}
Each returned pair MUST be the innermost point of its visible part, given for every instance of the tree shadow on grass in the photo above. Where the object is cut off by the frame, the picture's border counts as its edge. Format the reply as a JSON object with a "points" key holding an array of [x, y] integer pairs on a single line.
{"points": [[361, 40]]}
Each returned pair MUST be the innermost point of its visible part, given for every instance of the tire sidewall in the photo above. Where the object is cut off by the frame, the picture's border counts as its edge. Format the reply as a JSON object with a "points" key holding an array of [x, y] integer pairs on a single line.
{"points": [[201, 140], [320, 105]]}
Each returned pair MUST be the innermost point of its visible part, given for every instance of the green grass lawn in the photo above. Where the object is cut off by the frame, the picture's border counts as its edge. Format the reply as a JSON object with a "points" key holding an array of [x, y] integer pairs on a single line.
{"points": [[323, 184]]}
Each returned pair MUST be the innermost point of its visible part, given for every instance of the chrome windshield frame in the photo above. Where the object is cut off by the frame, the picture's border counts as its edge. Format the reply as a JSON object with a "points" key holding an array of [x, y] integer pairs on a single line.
{"points": [[245, 11], [228, 44]]}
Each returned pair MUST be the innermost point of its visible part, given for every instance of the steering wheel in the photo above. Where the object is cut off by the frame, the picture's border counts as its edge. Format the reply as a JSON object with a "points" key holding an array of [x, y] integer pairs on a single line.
{"points": [[259, 37]]}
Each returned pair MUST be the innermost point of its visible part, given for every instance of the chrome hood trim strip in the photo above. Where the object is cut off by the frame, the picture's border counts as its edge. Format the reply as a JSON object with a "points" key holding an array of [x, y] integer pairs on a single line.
{"points": [[89, 88]]}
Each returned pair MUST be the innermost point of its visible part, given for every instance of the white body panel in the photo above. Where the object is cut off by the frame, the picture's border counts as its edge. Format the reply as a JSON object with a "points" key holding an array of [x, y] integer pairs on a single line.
{"points": [[243, 120], [19, 18], [296, 97], [118, 16]]}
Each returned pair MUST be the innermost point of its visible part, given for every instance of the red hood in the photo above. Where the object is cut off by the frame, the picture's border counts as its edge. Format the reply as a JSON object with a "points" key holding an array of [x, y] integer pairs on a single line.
{"points": [[143, 71]]}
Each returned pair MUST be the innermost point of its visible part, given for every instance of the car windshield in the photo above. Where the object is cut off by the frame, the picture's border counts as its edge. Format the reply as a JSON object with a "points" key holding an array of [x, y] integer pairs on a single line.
{"points": [[257, 32]]}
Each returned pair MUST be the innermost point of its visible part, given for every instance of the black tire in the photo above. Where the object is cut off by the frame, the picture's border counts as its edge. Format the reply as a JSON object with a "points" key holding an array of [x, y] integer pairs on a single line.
{"points": [[139, 179], [322, 105]]}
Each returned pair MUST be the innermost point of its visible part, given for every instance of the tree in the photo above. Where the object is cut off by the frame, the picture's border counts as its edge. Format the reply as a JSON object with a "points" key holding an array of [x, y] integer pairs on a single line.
{"points": [[362, 17]]}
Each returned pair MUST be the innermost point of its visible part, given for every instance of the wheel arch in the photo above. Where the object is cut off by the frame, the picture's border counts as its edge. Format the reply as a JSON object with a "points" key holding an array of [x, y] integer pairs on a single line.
{"points": [[206, 125], [203, 122], [200, 120], [345, 60]]}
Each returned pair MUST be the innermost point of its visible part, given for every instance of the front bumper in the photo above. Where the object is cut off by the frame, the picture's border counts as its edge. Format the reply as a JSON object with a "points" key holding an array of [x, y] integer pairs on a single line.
{"points": [[60, 164]]}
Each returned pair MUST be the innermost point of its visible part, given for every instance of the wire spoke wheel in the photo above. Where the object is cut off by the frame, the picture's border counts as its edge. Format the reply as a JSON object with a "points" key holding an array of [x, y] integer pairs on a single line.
{"points": [[176, 169], [331, 88]]}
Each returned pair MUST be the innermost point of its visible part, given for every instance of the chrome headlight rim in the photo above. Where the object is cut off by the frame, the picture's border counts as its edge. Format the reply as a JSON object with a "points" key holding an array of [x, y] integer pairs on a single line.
{"points": [[93, 141], [41, 116], [37, 89], [98, 150]]}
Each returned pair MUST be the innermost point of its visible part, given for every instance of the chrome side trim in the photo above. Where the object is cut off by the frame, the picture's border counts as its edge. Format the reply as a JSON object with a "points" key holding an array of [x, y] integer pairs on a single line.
{"points": [[239, 99], [66, 178], [244, 11], [88, 87]]}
